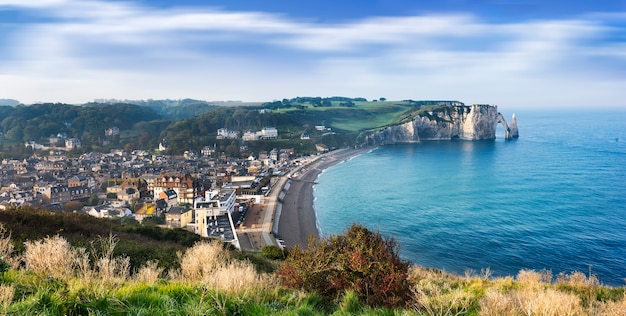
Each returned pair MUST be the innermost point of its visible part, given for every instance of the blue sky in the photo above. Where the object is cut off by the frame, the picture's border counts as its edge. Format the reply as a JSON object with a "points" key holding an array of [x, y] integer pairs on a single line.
{"points": [[513, 53]]}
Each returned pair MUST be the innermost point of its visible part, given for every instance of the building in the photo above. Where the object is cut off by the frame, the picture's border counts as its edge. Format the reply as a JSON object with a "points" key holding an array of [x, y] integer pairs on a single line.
{"points": [[163, 145], [182, 184], [112, 131], [224, 133], [250, 136], [80, 192], [213, 216], [51, 194], [143, 211], [178, 217], [77, 180], [207, 151], [269, 133], [72, 143]]}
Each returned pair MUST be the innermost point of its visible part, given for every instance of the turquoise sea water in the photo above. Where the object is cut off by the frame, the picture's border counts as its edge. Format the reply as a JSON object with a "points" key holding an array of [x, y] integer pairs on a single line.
{"points": [[553, 199]]}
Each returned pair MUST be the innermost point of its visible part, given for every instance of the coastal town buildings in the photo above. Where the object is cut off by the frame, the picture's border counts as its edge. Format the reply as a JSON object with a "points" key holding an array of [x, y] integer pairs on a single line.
{"points": [[204, 193], [214, 215]]}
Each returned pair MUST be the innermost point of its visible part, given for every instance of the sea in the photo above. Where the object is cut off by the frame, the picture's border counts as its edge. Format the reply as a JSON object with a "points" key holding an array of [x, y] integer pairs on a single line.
{"points": [[554, 199]]}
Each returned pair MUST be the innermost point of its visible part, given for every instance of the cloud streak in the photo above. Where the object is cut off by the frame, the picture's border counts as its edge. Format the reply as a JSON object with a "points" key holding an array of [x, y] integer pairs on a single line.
{"points": [[80, 50]]}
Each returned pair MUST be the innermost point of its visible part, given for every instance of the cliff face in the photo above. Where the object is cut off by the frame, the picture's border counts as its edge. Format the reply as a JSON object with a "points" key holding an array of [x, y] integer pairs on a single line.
{"points": [[474, 122]]}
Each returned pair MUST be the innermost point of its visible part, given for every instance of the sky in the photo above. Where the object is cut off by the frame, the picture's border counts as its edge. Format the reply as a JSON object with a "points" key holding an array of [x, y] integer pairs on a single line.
{"points": [[512, 53]]}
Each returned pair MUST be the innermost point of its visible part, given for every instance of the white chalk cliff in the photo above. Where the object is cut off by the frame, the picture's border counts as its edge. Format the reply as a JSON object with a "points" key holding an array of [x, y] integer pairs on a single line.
{"points": [[473, 122]]}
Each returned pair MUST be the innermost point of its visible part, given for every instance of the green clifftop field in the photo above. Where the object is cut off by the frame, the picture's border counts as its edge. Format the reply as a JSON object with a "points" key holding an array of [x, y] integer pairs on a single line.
{"points": [[60, 264]]}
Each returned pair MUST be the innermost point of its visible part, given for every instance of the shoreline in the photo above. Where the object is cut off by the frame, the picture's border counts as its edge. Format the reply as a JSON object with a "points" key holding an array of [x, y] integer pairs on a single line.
{"points": [[297, 219]]}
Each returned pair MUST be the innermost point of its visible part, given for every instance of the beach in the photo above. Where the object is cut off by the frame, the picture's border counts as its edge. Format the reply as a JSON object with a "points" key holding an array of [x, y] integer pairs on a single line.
{"points": [[297, 220]]}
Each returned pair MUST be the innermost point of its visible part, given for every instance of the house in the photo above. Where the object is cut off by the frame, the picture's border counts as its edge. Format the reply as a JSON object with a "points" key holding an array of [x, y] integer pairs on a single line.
{"points": [[128, 195], [77, 180], [269, 133], [208, 151], [181, 184], [72, 143], [170, 196], [79, 192], [106, 211], [163, 145], [250, 136], [111, 131], [224, 133], [274, 154], [58, 193], [178, 217], [305, 136], [145, 210]]}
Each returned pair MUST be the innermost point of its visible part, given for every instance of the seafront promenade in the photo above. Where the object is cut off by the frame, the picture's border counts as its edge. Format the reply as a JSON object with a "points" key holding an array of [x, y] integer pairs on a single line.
{"points": [[258, 229], [287, 213]]}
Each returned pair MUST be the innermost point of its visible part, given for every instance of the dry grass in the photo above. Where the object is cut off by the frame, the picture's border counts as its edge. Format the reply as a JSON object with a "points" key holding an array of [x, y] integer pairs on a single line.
{"points": [[438, 293], [111, 269], [52, 256], [210, 264], [150, 273], [236, 277], [201, 260], [609, 308], [577, 279], [535, 294], [7, 247], [530, 302], [6, 296]]}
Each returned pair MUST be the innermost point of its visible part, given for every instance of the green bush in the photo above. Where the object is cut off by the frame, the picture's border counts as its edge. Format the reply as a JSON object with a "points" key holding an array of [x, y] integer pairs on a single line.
{"points": [[272, 252], [359, 260], [4, 266]]}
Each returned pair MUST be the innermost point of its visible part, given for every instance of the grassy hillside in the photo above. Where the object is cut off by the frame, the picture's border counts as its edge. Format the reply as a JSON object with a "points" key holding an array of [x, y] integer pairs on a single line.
{"points": [[50, 276]]}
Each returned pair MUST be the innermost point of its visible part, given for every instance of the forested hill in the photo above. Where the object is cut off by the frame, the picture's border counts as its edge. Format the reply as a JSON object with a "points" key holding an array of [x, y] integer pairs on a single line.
{"points": [[38, 121], [171, 109], [191, 124]]}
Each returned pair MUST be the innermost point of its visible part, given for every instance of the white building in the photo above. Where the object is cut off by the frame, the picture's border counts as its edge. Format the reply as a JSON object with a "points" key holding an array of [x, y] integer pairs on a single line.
{"points": [[269, 133], [213, 215], [72, 143], [250, 136], [224, 133]]}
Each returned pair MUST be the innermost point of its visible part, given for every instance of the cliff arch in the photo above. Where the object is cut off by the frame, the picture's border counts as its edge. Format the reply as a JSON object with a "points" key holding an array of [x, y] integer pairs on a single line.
{"points": [[510, 132]]}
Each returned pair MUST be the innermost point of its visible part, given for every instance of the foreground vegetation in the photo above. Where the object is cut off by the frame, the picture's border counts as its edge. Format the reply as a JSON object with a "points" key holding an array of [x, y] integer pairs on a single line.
{"points": [[356, 273]]}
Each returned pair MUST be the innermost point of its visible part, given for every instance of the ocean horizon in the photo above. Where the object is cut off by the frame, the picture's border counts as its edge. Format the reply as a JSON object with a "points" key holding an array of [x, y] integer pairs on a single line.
{"points": [[554, 199]]}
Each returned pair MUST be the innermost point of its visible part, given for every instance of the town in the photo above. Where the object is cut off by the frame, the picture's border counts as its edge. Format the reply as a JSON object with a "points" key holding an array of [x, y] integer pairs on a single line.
{"points": [[208, 193]]}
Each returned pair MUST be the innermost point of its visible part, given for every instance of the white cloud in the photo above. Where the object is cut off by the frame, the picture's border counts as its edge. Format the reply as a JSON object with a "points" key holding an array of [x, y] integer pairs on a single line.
{"points": [[98, 49]]}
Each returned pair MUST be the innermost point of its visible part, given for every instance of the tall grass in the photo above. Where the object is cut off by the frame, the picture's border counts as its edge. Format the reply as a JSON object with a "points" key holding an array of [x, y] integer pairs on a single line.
{"points": [[52, 256], [7, 247], [55, 279], [210, 264], [149, 273], [6, 296]]}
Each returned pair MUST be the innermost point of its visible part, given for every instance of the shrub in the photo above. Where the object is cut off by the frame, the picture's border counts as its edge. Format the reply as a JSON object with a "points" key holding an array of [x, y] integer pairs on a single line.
{"points": [[272, 252], [359, 260], [52, 256], [199, 261]]}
